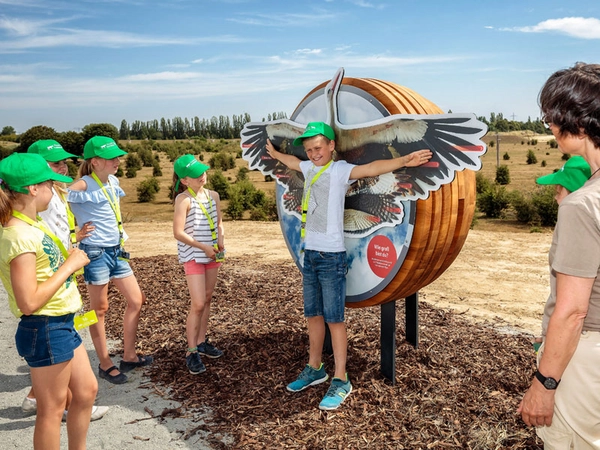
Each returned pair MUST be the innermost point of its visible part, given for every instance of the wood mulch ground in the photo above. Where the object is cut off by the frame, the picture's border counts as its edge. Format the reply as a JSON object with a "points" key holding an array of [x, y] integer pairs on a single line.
{"points": [[459, 389]]}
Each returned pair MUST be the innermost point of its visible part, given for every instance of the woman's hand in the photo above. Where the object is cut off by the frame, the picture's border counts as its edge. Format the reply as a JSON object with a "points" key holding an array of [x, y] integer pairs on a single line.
{"points": [[537, 406]]}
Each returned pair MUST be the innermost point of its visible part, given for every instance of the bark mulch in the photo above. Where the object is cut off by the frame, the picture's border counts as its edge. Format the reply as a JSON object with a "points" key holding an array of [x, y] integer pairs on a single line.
{"points": [[459, 389]]}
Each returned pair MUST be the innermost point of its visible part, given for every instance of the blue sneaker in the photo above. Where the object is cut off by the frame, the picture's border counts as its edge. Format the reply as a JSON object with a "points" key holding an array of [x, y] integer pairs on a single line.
{"points": [[308, 377], [209, 350], [336, 394], [194, 363]]}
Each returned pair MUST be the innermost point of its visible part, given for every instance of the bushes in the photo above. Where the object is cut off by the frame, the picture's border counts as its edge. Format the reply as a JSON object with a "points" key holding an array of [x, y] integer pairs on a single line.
{"points": [[481, 183], [502, 175], [219, 183], [148, 189], [537, 208], [133, 163], [222, 161], [244, 196], [531, 158], [493, 201]]}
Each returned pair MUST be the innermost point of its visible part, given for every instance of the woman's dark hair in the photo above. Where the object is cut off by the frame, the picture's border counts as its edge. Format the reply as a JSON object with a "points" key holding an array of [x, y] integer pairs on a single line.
{"points": [[570, 100]]}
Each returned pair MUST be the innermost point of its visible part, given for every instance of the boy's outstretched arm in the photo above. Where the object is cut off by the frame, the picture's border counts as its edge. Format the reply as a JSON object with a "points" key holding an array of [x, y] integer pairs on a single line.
{"points": [[289, 160], [381, 166]]}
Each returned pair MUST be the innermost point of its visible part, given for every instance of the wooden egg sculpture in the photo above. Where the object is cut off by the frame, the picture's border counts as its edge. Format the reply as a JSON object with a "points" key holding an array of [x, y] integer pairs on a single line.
{"points": [[402, 229]]}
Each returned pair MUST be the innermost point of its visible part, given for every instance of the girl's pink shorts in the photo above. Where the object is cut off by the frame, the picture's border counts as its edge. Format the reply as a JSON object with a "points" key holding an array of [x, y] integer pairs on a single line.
{"points": [[194, 268]]}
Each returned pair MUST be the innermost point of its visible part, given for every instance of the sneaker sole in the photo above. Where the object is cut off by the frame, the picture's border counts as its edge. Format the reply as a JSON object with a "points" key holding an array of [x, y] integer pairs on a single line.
{"points": [[330, 408], [209, 356], [198, 372], [314, 383]]}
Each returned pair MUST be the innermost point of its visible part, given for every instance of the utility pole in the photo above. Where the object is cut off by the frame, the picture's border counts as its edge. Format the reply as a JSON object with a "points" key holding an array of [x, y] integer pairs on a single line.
{"points": [[497, 150]]}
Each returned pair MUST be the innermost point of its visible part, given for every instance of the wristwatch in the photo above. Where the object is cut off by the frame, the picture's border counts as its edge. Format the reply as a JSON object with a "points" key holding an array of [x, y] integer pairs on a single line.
{"points": [[548, 382]]}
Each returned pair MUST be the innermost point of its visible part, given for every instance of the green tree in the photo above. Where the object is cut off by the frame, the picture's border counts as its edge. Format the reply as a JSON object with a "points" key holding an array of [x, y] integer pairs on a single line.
{"points": [[502, 175], [124, 130], [133, 161], [6, 131], [531, 158], [493, 201], [222, 161], [219, 183], [72, 142], [35, 134], [148, 189], [99, 129]]}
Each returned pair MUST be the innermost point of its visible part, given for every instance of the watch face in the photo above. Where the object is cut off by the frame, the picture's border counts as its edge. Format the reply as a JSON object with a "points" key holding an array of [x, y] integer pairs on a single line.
{"points": [[550, 383]]}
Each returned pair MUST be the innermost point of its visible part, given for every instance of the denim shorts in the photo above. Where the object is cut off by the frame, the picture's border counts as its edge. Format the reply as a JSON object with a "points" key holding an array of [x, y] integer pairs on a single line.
{"points": [[324, 285], [104, 264], [46, 340]]}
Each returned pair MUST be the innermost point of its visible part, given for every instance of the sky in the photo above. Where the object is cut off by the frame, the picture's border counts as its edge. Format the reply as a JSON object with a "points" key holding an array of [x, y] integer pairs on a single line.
{"points": [[69, 63]]}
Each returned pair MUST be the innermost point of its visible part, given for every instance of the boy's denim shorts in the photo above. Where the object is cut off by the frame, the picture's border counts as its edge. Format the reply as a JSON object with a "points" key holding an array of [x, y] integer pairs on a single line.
{"points": [[104, 264], [46, 340], [324, 285]]}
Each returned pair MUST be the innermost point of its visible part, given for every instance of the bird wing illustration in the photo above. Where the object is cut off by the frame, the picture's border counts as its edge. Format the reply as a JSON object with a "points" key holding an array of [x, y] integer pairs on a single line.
{"points": [[281, 133], [371, 202], [454, 140]]}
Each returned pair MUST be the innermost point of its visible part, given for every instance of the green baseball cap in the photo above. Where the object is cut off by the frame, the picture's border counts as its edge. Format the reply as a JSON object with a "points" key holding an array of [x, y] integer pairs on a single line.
{"points": [[572, 175], [189, 166], [314, 129], [20, 170], [102, 147], [50, 150]]}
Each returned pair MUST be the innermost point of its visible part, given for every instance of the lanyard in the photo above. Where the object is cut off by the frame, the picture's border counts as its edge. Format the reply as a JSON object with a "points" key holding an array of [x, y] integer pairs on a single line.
{"points": [[306, 196], [114, 204], [211, 223], [39, 224], [70, 221]]}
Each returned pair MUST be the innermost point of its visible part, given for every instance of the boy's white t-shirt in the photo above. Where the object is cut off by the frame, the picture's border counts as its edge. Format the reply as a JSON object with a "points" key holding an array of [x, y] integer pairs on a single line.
{"points": [[325, 215]]}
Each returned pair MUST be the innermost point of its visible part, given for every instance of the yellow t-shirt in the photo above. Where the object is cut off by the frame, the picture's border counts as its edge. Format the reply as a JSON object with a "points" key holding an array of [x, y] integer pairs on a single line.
{"points": [[15, 241]]}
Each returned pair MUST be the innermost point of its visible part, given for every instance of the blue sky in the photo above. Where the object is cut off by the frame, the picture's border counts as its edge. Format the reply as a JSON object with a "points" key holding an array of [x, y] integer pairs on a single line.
{"points": [[68, 63]]}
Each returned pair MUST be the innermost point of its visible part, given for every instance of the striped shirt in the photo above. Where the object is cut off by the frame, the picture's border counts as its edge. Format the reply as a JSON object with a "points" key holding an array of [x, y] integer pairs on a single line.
{"points": [[198, 227]]}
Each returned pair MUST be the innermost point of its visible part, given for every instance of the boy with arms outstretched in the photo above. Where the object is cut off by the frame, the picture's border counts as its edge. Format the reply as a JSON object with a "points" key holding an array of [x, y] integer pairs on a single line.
{"points": [[325, 267]]}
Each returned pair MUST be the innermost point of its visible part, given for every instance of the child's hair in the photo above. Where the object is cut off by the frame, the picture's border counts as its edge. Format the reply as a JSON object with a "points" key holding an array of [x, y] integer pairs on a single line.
{"points": [[8, 198], [61, 188], [85, 168], [180, 188]]}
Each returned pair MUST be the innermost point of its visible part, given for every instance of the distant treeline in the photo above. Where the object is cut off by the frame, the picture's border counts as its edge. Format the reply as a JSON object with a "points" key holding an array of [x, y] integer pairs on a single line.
{"points": [[178, 128], [221, 127], [497, 123], [183, 128]]}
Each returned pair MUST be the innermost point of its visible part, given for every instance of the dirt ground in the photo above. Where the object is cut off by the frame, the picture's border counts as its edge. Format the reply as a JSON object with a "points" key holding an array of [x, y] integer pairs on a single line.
{"points": [[500, 277]]}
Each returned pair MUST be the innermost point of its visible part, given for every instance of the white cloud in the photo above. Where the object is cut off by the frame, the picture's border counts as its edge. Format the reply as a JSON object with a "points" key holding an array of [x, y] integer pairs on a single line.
{"points": [[20, 27], [308, 51], [103, 38], [578, 27], [161, 76], [283, 20]]}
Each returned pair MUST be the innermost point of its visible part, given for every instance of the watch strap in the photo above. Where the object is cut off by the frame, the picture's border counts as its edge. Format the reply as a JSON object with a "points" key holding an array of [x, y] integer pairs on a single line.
{"points": [[542, 379]]}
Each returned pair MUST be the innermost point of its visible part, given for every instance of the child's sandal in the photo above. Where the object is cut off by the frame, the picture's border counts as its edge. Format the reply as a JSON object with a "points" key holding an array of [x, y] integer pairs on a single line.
{"points": [[114, 379]]}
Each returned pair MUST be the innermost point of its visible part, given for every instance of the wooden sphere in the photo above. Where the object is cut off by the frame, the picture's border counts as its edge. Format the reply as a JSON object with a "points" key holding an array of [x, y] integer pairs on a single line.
{"points": [[442, 221]]}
